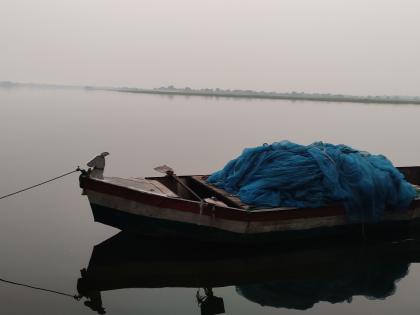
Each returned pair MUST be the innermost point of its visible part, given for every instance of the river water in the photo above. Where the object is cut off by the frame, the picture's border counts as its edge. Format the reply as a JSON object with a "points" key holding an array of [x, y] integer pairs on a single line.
{"points": [[47, 234]]}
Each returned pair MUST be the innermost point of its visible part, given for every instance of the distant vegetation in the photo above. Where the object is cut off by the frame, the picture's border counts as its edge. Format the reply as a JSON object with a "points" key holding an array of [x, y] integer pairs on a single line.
{"points": [[171, 90]]}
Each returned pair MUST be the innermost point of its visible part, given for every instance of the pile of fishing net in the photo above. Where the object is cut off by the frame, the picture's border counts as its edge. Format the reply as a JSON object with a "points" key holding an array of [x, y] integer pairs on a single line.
{"points": [[286, 174]]}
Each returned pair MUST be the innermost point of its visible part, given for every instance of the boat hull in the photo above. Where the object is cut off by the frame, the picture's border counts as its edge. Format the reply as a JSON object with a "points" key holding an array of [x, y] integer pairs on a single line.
{"points": [[157, 215], [161, 228]]}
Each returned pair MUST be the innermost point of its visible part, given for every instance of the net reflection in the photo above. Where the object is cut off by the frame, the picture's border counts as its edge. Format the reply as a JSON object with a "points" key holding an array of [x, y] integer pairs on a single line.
{"points": [[295, 276]]}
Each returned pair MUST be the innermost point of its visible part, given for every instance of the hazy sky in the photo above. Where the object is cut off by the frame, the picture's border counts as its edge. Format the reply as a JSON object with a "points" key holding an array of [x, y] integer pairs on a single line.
{"points": [[357, 46]]}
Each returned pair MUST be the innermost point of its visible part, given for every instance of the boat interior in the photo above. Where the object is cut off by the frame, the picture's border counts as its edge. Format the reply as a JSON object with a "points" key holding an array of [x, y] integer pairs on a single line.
{"points": [[192, 187], [195, 187]]}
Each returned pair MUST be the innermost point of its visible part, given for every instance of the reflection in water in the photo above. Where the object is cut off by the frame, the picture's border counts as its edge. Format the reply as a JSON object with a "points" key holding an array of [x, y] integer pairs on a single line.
{"points": [[295, 277], [94, 299], [372, 280], [210, 304]]}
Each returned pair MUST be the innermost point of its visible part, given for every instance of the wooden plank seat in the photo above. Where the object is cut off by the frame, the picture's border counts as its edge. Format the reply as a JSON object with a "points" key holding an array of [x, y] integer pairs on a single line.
{"points": [[222, 195]]}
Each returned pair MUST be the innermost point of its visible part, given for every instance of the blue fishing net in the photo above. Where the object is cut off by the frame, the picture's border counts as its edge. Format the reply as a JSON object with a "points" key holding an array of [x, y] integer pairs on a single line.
{"points": [[286, 174]]}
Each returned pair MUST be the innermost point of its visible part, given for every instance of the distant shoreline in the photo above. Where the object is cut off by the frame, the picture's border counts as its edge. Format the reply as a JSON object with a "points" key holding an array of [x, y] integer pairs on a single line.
{"points": [[291, 97], [294, 96]]}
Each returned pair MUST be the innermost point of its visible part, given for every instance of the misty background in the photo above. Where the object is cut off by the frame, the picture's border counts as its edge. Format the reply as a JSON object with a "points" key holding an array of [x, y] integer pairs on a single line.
{"points": [[355, 47], [47, 235]]}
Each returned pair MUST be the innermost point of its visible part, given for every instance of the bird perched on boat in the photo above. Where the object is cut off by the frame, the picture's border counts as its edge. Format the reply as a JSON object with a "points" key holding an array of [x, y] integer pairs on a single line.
{"points": [[98, 165]]}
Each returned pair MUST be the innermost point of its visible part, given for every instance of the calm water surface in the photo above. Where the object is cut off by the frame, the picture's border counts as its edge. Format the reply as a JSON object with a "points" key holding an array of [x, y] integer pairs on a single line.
{"points": [[47, 235]]}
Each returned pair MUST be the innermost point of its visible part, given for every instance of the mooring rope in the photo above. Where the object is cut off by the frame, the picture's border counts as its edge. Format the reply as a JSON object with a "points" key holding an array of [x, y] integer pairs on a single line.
{"points": [[47, 181], [75, 296]]}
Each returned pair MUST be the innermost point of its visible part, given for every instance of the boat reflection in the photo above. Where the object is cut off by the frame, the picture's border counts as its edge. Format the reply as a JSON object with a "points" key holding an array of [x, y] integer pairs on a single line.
{"points": [[295, 277]]}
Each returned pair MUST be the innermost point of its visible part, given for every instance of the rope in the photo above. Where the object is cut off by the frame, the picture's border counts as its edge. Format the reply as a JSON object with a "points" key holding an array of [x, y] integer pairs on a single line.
{"points": [[47, 181], [77, 297], [41, 289]]}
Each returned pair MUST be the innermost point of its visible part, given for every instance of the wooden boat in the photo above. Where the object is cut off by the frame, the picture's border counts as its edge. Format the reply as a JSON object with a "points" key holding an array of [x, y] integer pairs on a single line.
{"points": [[332, 271], [189, 207]]}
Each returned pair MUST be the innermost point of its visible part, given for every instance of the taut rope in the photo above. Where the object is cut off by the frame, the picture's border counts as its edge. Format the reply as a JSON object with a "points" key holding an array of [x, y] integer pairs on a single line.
{"points": [[47, 181]]}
